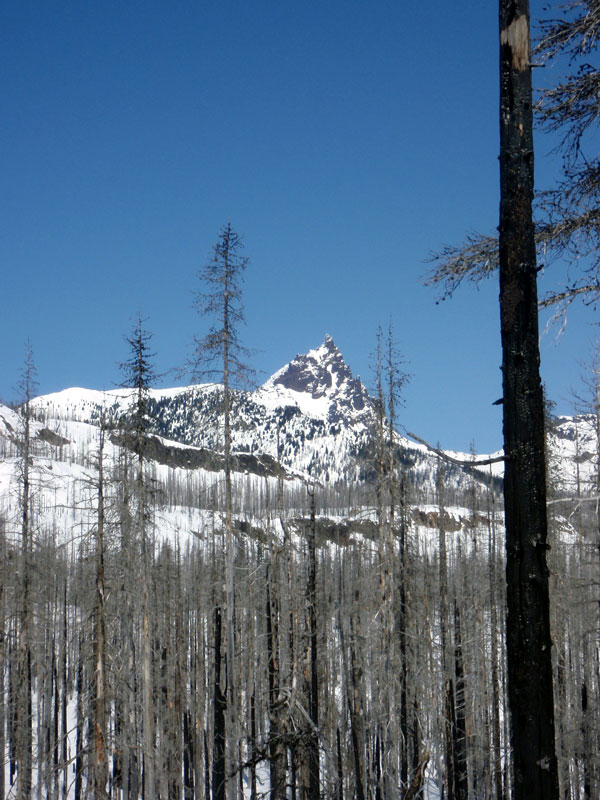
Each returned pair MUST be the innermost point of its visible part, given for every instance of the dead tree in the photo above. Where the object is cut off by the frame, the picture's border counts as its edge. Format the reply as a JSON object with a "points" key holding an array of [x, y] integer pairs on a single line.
{"points": [[528, 621], [221, 353], [139, 374], [100, 766], [24, 709]]}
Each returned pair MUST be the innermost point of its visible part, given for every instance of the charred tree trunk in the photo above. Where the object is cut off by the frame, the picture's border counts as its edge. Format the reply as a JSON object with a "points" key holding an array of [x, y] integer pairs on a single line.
{"points": [[402, 626], [100, 762], [355, 712], [495, 676], [147, 689], [207, 772], [24, 709], [339, 791], [231, 689], [220, 707], [276, 753], [311, 592], [79, 735], [253, 749], [3, 664], [188, 755], [528, 620], [276, 778], [147, 711], [449, 727], [64, 721], [449, 717], [460, 730]]}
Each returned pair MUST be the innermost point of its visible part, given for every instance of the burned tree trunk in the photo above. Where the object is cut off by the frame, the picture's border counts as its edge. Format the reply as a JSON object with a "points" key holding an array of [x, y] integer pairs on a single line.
{"points": [[528, 621], [24, 706], [314, 791], [219, 710], [276, 752], [100, 768]]}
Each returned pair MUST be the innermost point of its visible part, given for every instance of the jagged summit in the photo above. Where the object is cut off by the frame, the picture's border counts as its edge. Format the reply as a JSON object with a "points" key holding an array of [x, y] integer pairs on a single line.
{"points": [[317, 372], [321, 376]]}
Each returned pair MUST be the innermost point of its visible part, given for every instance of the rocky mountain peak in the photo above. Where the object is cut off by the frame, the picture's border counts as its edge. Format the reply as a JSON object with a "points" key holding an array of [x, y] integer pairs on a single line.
{"points": [[323, 374], [316, 372]]}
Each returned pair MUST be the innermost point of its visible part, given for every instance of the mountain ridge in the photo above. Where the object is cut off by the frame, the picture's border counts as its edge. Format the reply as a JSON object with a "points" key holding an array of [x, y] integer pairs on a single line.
{"points": [[312, 421], [304, 426]]}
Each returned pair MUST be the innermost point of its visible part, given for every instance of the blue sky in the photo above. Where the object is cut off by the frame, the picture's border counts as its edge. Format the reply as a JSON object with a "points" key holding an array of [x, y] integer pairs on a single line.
{"points": [[344, 140]]}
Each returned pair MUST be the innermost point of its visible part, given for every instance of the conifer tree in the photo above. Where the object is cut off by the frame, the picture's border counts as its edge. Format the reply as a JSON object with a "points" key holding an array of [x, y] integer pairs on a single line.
{"points": [[139, 374], [220, 353], [24, 706]]}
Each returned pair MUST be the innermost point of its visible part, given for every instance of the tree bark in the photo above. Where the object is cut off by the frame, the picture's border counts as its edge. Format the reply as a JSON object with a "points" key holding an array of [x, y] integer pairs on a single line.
{"points": [[311, 596], [276, 754], [79, 737], [100, 762], [460, 730], [528, 619], [3, 660], [24, 747], [219, 709]]}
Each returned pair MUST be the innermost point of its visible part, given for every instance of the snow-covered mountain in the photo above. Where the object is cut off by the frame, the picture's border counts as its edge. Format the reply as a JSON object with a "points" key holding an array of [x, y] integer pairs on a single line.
{"points": [[312, 422], [573, 454], [313, 417], [321, 385]]}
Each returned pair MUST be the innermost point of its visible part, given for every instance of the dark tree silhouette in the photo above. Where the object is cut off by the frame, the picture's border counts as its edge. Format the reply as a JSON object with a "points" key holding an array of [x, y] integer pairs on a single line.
{"points": [[529, 644]]}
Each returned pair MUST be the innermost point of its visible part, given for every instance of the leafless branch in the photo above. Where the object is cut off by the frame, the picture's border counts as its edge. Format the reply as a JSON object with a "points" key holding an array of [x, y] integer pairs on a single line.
{"points": [[458, 462]]}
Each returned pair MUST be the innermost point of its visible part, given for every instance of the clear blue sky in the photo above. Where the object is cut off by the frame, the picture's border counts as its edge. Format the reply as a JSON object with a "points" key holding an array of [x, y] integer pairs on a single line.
{"points": [[344, 140]]}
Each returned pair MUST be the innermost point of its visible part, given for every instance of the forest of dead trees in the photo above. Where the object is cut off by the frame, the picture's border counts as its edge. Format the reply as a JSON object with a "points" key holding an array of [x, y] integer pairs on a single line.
{"points": [[368, 665]]}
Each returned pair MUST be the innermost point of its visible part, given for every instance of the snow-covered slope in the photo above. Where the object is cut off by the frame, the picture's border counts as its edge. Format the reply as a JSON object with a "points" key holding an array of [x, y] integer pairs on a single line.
{"points": [[312, 416], [312, 421], [574, 455]]}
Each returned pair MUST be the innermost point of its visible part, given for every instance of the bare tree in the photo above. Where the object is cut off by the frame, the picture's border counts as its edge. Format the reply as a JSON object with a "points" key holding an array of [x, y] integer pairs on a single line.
{"points": [[221, 353], [24, 709], [313, 789], [391, 491], [139, 374], [514, 253], [100, 764], [529, 642]]}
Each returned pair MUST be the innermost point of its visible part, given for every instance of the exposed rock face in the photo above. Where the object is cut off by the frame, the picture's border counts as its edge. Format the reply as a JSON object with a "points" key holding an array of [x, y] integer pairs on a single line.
{"points": [[46, 435], [201, 458], [451, 522], [323, 373], [318, 372]]}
